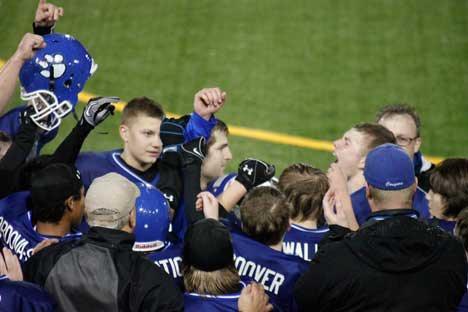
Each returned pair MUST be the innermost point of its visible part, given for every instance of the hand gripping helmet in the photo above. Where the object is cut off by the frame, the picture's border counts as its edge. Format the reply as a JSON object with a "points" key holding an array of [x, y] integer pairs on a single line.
{"points": [[152, 219], [52, 79]]}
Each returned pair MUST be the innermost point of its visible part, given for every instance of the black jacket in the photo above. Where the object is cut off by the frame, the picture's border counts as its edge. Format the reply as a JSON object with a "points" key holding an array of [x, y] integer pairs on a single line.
{"points": [[100, 272], [395, 264]]}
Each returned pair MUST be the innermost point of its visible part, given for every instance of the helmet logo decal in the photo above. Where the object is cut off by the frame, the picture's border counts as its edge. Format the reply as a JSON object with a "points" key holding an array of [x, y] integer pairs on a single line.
{"points": [[54, 61]]}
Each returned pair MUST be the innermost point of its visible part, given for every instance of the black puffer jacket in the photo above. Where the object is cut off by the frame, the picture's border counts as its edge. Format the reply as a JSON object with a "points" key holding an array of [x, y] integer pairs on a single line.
{"points": [[394, 264]]}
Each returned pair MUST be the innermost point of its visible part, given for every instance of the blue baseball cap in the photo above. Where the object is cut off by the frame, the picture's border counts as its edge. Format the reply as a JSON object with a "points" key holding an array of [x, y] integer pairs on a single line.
{"points": [[389, 168]]}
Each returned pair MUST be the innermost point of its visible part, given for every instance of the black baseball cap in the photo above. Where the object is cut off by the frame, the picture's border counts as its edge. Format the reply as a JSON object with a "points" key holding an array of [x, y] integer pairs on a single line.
{"points": [[53, 184], [208, 246]]}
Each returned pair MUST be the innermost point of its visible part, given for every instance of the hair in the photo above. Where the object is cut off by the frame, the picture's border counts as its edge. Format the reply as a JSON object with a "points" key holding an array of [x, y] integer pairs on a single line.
{"points": [[141, 106], [375, 134], [306, 198], [219, 282], [220, 127], [400, 109], [450, 179], [265, 215], [383, 196], [294, 173], [461, 229], [54, 209]]}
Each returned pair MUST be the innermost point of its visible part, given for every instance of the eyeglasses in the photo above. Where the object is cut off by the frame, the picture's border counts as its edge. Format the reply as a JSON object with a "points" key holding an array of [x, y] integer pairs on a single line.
{"points": [[403, 141]]}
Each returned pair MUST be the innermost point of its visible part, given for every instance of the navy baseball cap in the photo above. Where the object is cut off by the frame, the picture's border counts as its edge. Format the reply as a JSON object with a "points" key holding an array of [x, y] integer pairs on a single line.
{"points": [[389, 168], [208, 246]]}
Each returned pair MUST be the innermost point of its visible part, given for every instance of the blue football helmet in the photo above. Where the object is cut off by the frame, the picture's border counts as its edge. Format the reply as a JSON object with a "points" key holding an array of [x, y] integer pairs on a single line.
{"points": [[52, 79], [152, 219]]}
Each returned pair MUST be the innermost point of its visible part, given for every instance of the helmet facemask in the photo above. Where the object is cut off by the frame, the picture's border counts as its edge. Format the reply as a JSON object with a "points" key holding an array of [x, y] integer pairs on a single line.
{"points": [[48, 111]]}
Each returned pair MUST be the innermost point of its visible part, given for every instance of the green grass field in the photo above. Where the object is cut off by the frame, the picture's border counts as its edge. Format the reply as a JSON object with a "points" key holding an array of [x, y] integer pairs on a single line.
{"points": [[311, 68]]}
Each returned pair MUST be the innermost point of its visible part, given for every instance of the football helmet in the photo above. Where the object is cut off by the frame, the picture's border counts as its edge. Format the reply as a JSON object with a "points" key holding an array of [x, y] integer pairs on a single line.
{"points": [[152, 219], [52, 79]]}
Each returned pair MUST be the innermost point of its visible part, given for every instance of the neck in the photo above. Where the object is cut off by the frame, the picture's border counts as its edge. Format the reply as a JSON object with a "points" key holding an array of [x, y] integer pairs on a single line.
{"points": [[308, 224], [203, 182], [59, 229], [132, 162], [356, 182], [277, 247], [389, 206]]}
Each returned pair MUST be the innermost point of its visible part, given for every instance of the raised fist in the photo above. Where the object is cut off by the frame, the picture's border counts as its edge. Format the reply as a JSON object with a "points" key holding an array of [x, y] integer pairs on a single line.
{"points": [[208, 101], [47, 14], [28, 45]]}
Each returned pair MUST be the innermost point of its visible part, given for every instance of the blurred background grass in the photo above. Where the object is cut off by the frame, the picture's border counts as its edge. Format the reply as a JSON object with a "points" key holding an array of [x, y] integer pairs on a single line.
{"points": [[307, 68]]}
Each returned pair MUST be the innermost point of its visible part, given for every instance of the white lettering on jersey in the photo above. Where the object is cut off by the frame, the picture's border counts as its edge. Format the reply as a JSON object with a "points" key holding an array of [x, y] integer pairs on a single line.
{"points": [[171, 266], [270, 279], [298, 249], [14, 241]]}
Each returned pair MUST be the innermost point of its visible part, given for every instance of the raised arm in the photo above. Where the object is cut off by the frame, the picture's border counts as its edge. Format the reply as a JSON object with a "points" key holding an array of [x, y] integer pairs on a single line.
{"points": [[10, 71]]}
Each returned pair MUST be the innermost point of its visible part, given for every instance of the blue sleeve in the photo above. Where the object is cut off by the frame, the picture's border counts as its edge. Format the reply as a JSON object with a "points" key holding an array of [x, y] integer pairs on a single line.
{"points": [[24, 296], [90, 165], [198, 127], [10, 123]]}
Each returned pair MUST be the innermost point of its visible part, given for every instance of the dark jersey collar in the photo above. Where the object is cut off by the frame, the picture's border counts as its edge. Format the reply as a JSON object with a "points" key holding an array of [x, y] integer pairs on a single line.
{"points": [[391, 213]]}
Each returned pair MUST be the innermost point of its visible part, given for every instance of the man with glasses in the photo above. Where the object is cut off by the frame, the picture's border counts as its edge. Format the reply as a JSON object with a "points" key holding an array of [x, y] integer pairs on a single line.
{"points": [[405, 124]]}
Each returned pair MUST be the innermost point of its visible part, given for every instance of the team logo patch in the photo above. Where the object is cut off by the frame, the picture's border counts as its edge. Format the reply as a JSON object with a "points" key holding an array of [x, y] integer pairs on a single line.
{"points": [[247, 169], [52, 62]]}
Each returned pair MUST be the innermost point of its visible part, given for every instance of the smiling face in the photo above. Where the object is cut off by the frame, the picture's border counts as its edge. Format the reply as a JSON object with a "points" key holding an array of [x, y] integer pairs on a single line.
{"points": [[218, 156], [348, 152], [142, 144]]}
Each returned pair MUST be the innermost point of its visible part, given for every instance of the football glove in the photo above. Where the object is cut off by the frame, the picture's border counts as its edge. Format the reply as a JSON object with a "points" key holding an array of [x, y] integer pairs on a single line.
{"points": [[171, 133], [98, 109], [253, 172], [193, 151]]}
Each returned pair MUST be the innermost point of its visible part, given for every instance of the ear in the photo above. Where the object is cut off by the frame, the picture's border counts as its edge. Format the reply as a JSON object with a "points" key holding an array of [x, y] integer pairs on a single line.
{"points": [[417, 144], [368, 193], [132, 219], [124, 133], [69, 203]]}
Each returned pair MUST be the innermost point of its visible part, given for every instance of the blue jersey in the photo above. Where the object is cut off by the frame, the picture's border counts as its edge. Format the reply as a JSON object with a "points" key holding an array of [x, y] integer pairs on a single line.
{"points": [[218, 186], [362, 209], [169, 259], [93, 165], [302, 242], [16, 229], [10, 123], [208, 303], [23, 296], [276, 271]]}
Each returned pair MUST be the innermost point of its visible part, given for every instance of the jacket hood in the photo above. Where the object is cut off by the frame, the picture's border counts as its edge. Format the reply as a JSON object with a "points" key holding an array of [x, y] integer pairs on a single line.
{"points": [[398, 244]]}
